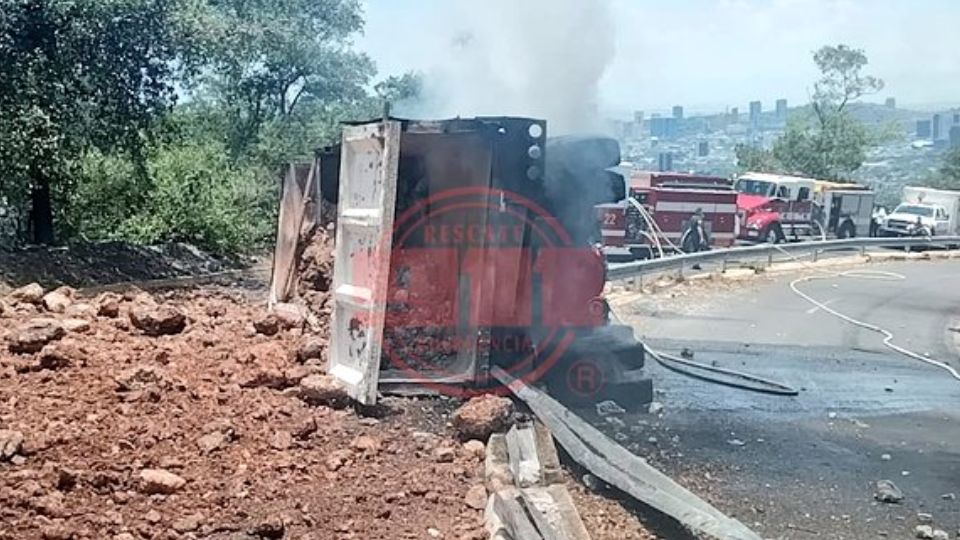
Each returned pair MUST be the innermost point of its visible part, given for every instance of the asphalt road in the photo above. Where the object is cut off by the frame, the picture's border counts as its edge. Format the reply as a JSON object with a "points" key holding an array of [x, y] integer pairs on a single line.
{"points": [[805, 466]]}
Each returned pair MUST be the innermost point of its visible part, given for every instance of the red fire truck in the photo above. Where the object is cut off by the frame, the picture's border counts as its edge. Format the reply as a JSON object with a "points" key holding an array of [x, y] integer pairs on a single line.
{"points": [[775, 208], [661, 213]]}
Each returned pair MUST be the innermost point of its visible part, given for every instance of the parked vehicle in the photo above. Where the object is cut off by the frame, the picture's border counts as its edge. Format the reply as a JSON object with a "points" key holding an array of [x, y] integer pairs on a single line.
{"points": [[774, 208], [669, 212], [924, 211]]}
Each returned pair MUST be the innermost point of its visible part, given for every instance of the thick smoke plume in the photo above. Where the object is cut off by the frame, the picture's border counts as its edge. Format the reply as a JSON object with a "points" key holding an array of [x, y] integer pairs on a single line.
{"points": [[538, 58]]}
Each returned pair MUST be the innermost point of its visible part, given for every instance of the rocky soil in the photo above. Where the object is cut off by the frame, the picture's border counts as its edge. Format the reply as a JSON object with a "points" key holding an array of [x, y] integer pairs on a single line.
{"points": [[196, 415]]}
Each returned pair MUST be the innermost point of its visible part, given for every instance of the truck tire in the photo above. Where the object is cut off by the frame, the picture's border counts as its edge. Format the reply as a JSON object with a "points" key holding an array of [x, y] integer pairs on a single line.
{"points": [[847, 230], [773, 234]]}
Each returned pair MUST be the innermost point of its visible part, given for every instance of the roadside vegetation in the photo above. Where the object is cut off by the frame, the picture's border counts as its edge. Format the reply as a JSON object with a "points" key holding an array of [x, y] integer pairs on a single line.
{"points": [[824, 140], [168, 120]]}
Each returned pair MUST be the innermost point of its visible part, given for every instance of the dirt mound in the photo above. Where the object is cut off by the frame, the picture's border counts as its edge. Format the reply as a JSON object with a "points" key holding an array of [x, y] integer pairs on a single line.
{"points": [[315, 269], [97, 263], [213, 432]]}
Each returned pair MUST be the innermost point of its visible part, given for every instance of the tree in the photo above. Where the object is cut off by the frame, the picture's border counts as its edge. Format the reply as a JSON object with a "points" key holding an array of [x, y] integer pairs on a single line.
{"points": [[756, 159], [829, 143], [948, 177], [272, 64], [76, 75]]}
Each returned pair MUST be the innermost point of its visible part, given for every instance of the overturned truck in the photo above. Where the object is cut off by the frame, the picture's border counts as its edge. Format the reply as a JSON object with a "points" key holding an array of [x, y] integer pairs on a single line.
{"points": [[462, 245]]}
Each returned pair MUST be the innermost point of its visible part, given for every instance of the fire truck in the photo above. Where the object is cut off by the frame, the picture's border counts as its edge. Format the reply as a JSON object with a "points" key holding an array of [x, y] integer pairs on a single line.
{"points": [[775, 208], [662, 211]]}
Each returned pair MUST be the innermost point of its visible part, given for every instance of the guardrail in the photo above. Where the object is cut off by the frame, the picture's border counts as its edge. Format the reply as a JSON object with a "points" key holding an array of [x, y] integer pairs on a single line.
{"points": [[639, 268]]}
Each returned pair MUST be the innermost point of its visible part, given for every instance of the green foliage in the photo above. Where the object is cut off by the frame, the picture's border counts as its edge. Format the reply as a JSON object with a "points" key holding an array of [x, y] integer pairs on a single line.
{"points": [[276, 62], [948, 177], [752, 158], [197, 195], [829, 143]]}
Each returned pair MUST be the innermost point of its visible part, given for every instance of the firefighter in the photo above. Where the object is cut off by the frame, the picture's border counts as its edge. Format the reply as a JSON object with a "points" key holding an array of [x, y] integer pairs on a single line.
{"points": [[695, 236], [879, 215]]}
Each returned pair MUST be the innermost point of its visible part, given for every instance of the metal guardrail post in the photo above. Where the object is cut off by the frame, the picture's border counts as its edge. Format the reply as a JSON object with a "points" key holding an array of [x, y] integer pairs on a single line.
{"points": [[769, 259], [723, 266], [816, 254]]}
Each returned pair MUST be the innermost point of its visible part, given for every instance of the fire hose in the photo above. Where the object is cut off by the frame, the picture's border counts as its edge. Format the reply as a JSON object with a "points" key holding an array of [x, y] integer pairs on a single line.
{"points": [[717, 375], [864, 274]]}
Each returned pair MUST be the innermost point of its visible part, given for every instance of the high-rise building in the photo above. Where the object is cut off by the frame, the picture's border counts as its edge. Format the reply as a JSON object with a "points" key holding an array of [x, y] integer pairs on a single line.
{"points": [[703, 149], [955, 137], [781, 108], [665, 161], [891, 103], [662, 127], [935, 127], [956, 119], [638, 117], [678, 111], [735, 115], [923, 129], [756, 108]]}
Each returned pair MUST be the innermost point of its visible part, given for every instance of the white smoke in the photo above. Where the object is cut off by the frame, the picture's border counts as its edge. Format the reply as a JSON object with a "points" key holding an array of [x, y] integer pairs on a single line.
{"points": [[538, 58]]}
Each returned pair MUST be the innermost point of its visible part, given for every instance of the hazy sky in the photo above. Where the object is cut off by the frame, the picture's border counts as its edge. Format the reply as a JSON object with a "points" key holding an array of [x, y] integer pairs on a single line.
{"points": [[708, 54]]}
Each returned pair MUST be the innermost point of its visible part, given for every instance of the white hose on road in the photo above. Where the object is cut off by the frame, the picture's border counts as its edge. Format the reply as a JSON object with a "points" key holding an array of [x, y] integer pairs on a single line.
{"points": [[887, 335]]}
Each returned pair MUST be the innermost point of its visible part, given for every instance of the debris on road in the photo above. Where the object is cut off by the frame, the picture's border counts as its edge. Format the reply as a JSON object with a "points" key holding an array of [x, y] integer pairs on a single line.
{"points": [[609, 408], [888, 492]]}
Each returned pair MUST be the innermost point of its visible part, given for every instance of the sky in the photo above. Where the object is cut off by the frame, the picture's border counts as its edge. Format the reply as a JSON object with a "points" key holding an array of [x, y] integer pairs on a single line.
{"points": [[703, 54]]}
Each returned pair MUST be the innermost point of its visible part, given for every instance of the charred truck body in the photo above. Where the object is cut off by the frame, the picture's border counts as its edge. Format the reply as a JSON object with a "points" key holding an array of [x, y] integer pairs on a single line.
{"points": [[468, 243]]}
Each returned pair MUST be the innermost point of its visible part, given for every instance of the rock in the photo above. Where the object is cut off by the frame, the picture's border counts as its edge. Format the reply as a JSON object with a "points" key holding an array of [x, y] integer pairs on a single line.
{"points": [[312, 347], [476, 497], [655, 407], [434, 533], [609, 408], [949, 496], [736, 442], [321, 390], [59, 355], [153, 517], [67, 479], [281, 440], [924, 532], [159, 481], [158, 321], [481, 416], [366, 444], [188, 524], [213, 441], [124, 536], [271, 529], [290, 316], [652, 440], [108, 305], [888, 492], [939, 534], [57, 301], [11, 442], [31, 337], [75, 325], [81, 311], [141, 377], [886, 457], [306, 428], [337, 459], [28, 294], [444, 454], [267, 325], [475, 449]]}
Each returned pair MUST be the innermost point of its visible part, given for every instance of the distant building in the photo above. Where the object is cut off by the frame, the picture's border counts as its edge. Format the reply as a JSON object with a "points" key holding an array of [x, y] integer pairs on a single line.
{"points": [[756, 108], [956, 119], [891, 103], [923, 129], [937, 118], [703, 149], [955, 137], [665, 161], [735, 115], [638, 117], [678, 112], [662, 127], [781, 108]]}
